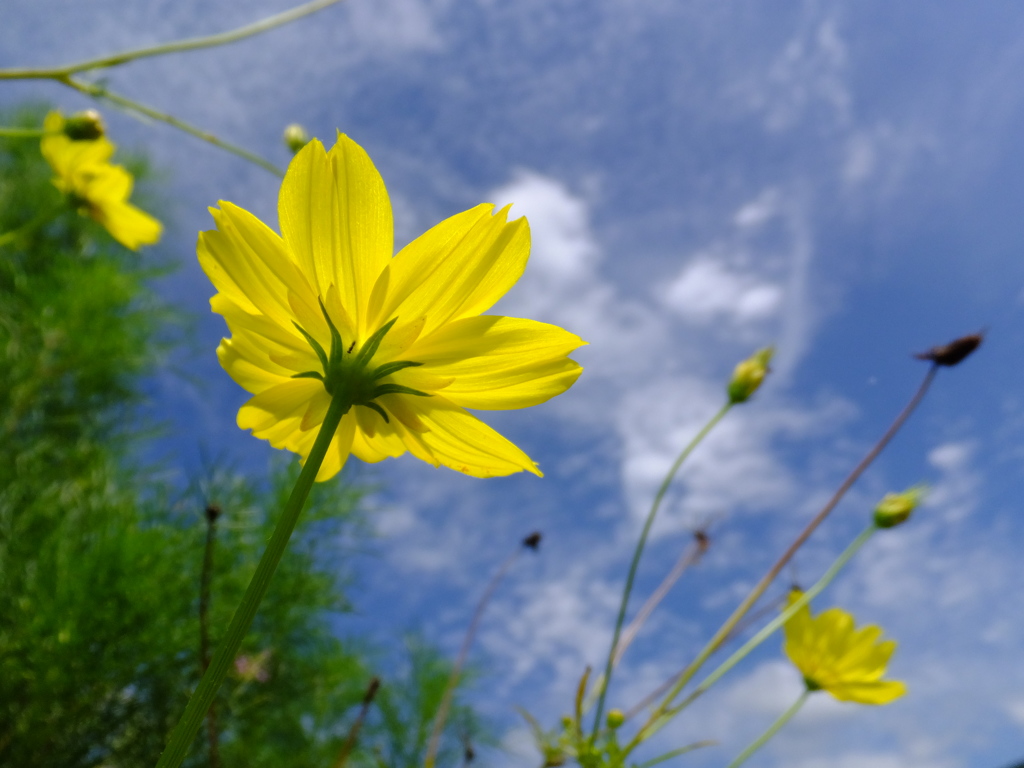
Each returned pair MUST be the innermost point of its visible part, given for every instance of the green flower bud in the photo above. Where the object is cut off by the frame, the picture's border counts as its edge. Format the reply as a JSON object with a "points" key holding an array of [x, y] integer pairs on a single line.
{"points": [[84, 126], [295, 137], [748, 375], [615, 718], [895, 508]]}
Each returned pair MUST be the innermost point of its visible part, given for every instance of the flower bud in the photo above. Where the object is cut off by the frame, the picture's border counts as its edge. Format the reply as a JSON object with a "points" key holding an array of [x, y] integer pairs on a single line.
{"points": [[615, 718], [84, 126], [748, 375], [895, 508], [295, 137]]}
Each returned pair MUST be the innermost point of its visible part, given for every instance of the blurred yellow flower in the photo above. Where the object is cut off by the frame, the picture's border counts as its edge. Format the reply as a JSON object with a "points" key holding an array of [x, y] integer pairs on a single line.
{"points": [[95, 186], [834, 656], [325, 305]]}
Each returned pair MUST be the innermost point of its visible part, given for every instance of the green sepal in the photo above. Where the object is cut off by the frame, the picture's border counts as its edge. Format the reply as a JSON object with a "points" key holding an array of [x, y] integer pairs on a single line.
{"points": [[316, 347], [397, 389], [388, 368], [308, 375], [378, 409], [372, 344]]}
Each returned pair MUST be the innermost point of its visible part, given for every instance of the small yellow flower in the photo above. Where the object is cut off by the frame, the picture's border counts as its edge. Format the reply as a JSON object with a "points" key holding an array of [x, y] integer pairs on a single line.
{"points": [[833, 655], [95, 186], [327, 293]]}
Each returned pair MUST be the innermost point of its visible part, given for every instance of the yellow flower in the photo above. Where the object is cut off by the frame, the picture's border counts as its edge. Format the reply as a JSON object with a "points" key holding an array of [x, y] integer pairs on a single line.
{"points": [[95, 186], [834, 656], [328, 292]]}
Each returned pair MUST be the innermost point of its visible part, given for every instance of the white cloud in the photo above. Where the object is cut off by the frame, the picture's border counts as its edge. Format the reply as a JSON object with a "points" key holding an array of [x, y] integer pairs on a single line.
{"points": [[707, 291]]}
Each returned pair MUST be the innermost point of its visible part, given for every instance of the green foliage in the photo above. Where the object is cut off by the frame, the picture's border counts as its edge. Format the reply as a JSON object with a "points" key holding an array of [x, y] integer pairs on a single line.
{"points": [[101, 563]]}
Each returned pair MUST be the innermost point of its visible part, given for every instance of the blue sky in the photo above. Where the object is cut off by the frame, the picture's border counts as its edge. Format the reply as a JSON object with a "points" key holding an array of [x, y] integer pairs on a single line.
{"points": [[842, 179]]}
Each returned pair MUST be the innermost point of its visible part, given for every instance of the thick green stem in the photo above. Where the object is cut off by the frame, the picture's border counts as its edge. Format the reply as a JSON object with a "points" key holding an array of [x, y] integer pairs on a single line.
{"points": [[638, 552], [784, 718], [189, 44], [186, 729]]}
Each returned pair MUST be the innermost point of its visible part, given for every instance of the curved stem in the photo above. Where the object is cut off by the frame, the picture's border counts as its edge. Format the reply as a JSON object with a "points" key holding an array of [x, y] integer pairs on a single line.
{"points": [[775, 727], [101, 92], [755, 594], [628, 588], [185, 731], [189, 44]]}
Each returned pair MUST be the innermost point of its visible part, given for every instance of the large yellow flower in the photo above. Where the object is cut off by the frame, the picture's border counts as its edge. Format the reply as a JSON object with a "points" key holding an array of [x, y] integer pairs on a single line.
{"points": [[95, 186], [327, 292], [834, 656]]}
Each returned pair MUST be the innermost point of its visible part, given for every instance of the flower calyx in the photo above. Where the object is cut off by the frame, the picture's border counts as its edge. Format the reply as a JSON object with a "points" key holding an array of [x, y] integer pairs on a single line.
{"points": [[347, 372]]}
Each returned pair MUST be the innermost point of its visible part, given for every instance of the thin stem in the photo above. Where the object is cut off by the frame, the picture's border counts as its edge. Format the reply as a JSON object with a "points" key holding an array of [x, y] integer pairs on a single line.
{"points": [[784, 718], [453, 679], [690, 555], [677, 753], [189, 44], [101, 92], [628, 588], [185, 731], [353, 732], [21, 133], [212, 513], [726, 629]]}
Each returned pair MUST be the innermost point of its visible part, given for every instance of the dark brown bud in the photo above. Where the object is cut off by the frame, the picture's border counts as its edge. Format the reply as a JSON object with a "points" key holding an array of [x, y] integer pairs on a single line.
{"points": [[371, 690], [952, 353], [212, 512], [532, 541], [702, 539]]}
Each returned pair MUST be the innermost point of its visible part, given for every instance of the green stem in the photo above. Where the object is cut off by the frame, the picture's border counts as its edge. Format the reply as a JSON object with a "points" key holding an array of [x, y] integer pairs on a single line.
{"points": [[33, 223], [775, 727], [628, 588], [186, 729], [764, 633], [189, 44], [21, 133], [101, 92]]}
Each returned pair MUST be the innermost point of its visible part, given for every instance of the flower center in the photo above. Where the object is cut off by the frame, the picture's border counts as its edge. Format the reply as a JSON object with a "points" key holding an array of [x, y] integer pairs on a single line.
{"points": [[347, 372]]}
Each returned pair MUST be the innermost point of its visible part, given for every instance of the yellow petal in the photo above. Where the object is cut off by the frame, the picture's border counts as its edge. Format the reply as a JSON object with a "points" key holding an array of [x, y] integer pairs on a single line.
{"points": [[130, 226], [462, 442], [249, 374], [248, 263], [498, 363], [281, 402], [336, 217], [366, 229], [457, 269], [881, 692]]}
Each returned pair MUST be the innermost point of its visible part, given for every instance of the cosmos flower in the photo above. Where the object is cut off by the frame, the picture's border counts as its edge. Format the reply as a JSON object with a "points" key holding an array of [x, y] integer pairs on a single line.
{"points": [[96, 187], [836, 657], [326, 300]]}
